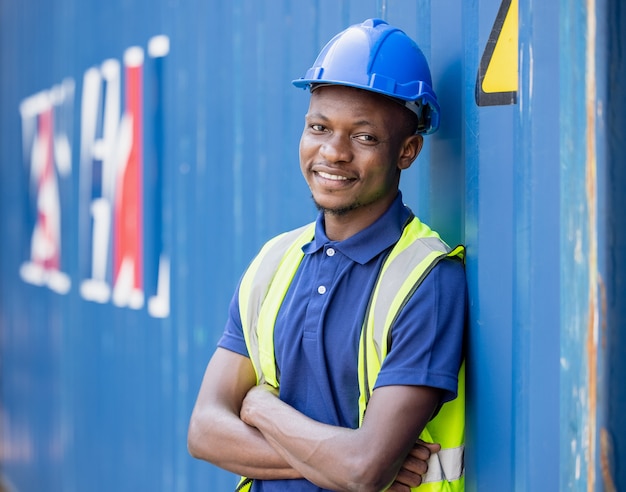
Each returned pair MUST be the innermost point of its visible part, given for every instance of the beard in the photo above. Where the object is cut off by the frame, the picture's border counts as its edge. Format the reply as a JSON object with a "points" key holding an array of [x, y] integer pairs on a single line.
{"points": [[338, 212]]}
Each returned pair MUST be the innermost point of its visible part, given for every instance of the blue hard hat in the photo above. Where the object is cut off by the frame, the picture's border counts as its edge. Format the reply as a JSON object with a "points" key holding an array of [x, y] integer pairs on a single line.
{"points": [[380, 58]]}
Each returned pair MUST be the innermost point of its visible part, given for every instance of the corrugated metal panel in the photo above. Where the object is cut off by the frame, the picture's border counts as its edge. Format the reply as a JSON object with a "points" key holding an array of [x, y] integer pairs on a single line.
{"points": [[536, 243], [613, 433], [97, 396], [489, 144], [99, 377], [593, 427]]}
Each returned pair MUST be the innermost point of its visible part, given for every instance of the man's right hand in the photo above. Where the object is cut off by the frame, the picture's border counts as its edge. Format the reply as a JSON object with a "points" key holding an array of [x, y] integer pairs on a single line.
{"points": [[414, 467]]}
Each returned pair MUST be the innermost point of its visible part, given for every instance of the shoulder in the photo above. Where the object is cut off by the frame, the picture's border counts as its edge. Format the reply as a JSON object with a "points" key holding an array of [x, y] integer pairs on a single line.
{"points": [[439, 303], [449, 271], [444, 288]]}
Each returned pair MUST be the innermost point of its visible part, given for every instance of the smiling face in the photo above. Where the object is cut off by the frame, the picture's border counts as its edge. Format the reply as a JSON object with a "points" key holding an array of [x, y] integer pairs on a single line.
{"points": [[353, 147]]}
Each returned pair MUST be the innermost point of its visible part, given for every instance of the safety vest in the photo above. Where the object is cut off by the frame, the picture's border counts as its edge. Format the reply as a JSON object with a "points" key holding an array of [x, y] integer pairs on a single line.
{"points": [[263, 289]]}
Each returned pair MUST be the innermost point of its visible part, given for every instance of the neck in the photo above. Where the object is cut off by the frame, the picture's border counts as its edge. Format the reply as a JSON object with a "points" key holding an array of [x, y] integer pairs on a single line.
{"points": [[339, 227]]}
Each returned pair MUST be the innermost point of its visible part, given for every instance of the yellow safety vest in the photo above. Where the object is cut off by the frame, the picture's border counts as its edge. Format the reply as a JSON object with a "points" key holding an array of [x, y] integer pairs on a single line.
{"points": [[263, 289]]}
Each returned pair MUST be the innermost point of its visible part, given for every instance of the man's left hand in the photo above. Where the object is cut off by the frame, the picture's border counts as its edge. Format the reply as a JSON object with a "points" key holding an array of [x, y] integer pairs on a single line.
{"points": [[414, 467]]}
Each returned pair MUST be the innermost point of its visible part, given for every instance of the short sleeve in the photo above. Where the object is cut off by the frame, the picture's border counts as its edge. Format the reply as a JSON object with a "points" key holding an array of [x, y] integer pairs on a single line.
{"points": [[427, 338], [232, 338]]}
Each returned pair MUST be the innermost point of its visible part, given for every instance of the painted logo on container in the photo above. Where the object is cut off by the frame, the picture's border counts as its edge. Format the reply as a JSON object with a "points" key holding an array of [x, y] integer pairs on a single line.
{"points": [[113, 246]]}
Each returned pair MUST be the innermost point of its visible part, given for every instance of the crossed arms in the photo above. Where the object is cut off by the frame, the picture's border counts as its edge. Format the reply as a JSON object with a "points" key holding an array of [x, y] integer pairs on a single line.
{"points": [[247, 430]]}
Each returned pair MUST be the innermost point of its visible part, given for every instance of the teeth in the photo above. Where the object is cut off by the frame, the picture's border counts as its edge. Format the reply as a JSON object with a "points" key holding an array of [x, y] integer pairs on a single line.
{"points": [[333, 177]]}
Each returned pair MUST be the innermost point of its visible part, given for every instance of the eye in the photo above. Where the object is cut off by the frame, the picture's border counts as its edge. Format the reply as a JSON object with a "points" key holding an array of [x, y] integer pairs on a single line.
{"points": [[317, 127], [366, 138]]}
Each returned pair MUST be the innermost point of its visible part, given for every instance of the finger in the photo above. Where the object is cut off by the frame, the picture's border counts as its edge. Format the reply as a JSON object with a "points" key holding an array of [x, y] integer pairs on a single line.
{"points": [[398, 487], [408, 478], [433, 447], [421, 452], [415, 465]]}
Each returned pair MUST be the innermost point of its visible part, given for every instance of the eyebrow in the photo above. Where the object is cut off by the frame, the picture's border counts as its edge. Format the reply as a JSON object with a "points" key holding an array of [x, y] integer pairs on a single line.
{"points": [[316, 115], [321, 116]]}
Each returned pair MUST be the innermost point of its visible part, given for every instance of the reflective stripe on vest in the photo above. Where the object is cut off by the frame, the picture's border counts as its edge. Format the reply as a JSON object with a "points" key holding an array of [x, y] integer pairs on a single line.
{"points": [[265, 285], [263, 274]]}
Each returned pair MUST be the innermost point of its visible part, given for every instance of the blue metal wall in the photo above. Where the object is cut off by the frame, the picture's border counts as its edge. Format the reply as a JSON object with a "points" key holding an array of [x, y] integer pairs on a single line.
{"points": [[593, 402], [100, 365], [613, 431]]}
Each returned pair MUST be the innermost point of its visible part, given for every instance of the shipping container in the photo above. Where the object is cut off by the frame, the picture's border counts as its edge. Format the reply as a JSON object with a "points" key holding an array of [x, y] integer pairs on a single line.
{"points": [[149, 148]]}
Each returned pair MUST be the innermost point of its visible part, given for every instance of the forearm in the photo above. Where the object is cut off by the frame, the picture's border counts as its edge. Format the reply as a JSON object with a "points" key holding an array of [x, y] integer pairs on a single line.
{"points": [[218, 435], [223, 439], [332, 457]]}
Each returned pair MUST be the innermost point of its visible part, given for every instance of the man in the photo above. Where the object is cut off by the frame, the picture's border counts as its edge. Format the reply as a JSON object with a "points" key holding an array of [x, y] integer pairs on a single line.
{"points": [[344, 338]]}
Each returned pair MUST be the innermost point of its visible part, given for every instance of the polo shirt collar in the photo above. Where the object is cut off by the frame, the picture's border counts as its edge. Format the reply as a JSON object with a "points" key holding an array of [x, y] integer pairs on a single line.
{"points": [[369, 242]]}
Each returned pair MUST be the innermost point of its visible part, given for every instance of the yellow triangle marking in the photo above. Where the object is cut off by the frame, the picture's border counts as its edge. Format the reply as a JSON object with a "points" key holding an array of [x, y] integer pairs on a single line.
{"points": [[501, 75]]}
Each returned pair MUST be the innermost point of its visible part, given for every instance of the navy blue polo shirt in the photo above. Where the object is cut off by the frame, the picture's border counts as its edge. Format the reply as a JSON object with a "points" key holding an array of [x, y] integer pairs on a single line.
{"points": [[319, 324]]}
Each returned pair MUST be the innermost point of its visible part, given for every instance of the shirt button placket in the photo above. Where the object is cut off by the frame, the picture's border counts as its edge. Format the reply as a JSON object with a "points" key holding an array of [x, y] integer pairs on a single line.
{"points": [[330, 252]]}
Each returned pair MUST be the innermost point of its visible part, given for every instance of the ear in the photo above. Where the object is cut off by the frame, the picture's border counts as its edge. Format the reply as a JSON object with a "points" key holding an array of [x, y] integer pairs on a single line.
{"points": [[409, 150]]}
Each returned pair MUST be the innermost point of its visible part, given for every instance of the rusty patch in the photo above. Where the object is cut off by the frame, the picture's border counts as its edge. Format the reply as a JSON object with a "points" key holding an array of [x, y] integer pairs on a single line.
{"points": [[603, 315], [591, 198], [606, 452]]}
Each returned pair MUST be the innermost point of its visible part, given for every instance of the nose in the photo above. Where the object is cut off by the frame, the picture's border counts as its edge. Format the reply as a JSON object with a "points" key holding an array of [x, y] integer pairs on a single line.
{"points": [[336, 148]]}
